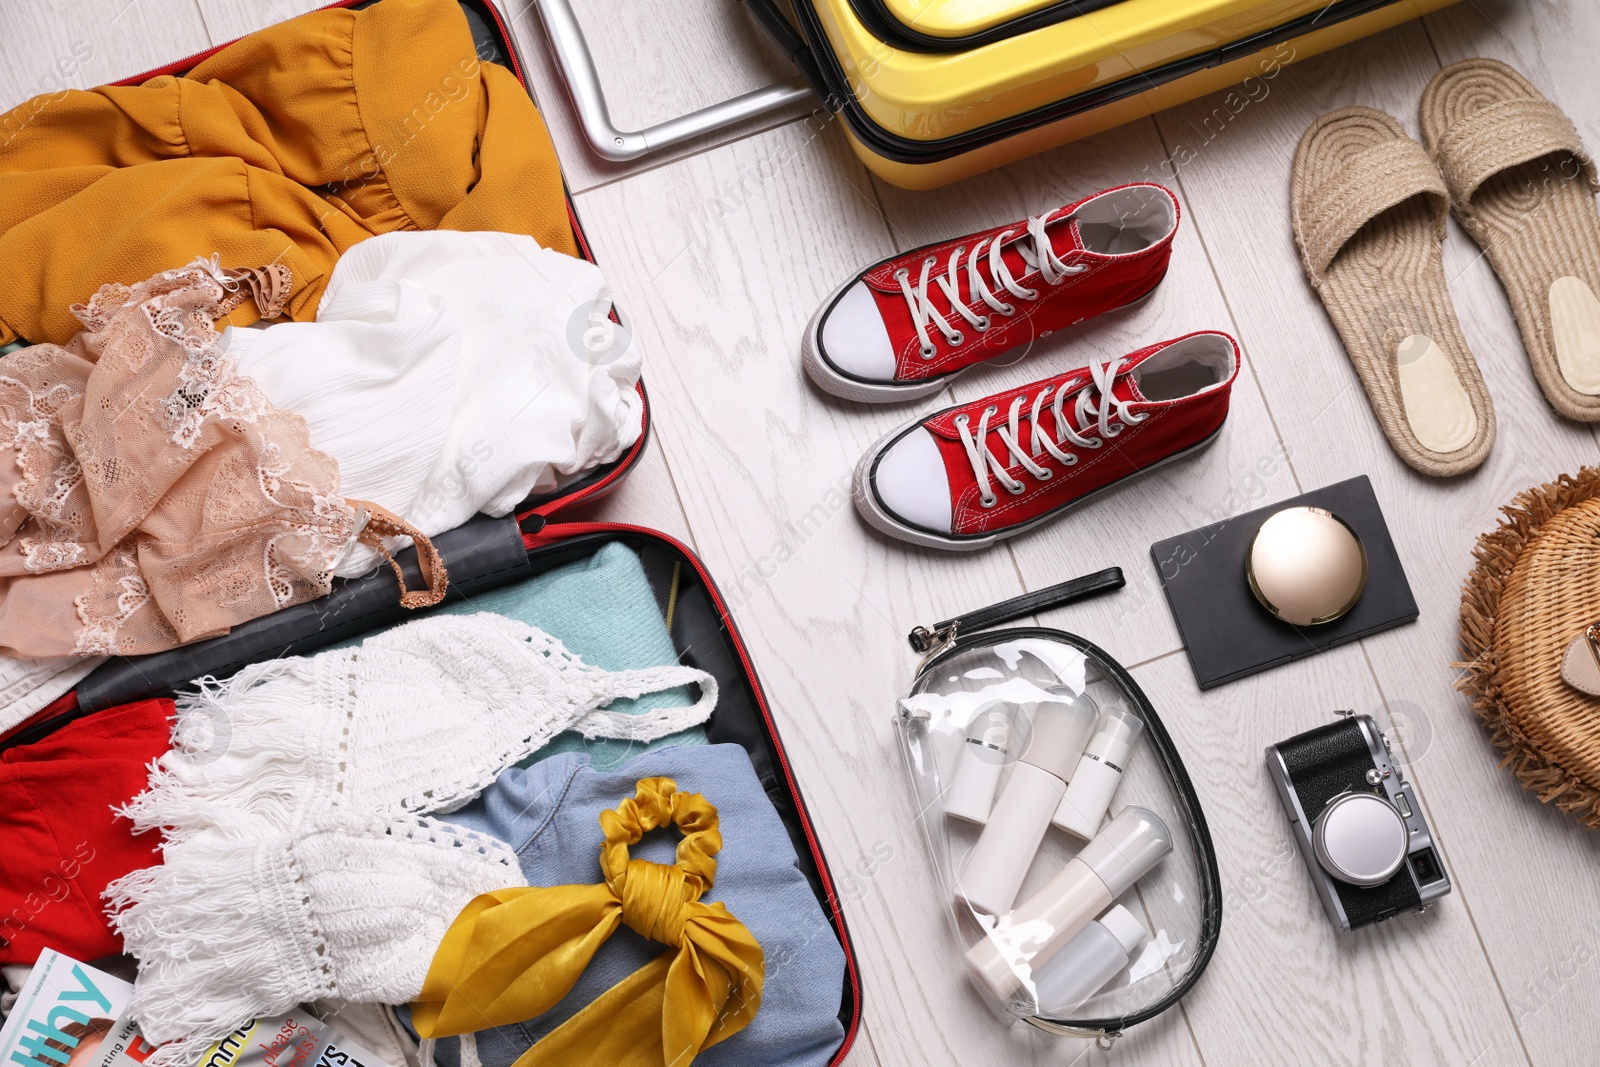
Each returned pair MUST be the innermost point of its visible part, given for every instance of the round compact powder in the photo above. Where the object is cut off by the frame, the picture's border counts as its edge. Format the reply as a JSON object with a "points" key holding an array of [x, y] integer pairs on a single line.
{"points": [[1306, 566]]}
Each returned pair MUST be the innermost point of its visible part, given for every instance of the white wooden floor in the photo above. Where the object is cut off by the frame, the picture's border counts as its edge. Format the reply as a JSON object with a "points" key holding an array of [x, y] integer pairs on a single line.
{"points": [[720, 252]]}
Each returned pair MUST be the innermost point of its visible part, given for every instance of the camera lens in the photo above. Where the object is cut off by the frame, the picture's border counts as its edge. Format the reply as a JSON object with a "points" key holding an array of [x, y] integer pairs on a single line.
{"points": [[1359, 838]]}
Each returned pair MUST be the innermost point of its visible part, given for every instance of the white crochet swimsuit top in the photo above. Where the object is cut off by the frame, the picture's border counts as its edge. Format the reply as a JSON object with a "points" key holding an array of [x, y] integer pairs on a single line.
{"points": [[419, 719]]}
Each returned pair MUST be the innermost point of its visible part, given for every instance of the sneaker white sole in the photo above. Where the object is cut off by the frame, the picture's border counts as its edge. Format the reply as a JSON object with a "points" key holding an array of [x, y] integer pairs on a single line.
{"points": [[880, 519], [831, 381]]}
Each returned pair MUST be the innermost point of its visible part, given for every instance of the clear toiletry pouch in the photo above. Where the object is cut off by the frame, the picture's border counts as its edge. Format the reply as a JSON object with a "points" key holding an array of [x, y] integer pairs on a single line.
{"points": [[1062, 824]]}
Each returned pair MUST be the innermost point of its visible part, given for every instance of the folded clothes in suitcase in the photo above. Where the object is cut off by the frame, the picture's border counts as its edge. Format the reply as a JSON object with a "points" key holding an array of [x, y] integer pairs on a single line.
{"points": [[534, 561], [933, 91]]}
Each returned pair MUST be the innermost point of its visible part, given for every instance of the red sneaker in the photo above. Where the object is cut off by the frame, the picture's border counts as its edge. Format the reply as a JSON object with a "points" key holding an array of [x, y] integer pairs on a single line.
{"points": [[968, 476], [902, 328]]}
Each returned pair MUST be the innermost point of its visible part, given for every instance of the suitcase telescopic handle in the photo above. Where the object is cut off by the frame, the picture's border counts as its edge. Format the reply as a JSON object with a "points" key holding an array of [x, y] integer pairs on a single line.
{"points": [[576, 63]]}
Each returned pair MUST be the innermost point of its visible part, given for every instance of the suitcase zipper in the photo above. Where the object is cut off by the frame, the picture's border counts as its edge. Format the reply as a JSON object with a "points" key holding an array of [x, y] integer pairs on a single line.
{"points": [[932, 640]]}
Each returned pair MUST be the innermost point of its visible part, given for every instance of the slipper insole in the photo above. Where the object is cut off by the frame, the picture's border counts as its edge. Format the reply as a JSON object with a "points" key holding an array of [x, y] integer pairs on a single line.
{"points": [[1546, 213], [1437, 406], [1575, 324], [1396, 258]]}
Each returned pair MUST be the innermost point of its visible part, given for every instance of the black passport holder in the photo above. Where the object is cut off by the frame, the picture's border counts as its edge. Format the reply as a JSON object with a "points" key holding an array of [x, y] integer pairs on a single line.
{"points": [[1228, 634]]}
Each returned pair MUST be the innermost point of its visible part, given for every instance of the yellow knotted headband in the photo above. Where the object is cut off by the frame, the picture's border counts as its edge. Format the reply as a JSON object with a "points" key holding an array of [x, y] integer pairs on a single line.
{"points": [[511, 955]]}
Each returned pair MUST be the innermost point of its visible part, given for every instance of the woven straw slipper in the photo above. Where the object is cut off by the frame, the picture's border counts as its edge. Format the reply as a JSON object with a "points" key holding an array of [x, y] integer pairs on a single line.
{"points": [[1523, 186], [1369, 211], [1535, 587]]}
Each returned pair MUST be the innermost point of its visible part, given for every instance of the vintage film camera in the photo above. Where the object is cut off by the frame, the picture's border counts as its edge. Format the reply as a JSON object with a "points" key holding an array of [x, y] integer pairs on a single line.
{"points": [[1359, 826]]}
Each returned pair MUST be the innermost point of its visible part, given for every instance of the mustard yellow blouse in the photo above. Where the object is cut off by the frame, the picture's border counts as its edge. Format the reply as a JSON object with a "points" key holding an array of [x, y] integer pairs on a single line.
{"points": [[289, 145]]}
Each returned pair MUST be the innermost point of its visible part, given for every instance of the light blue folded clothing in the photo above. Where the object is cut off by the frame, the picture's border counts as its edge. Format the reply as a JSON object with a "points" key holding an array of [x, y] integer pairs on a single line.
{"points": [[604, 610], [550, 814]]}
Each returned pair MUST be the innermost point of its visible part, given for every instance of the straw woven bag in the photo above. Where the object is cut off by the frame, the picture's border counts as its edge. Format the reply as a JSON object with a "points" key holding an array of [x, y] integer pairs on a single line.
{"points": [[1535, 587]]}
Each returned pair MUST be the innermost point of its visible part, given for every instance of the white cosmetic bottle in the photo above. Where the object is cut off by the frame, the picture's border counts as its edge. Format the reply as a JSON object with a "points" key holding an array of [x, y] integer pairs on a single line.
{"points": [[1099, 772], [998, 863], [983, 755], [1024, 941], [1089, 961]]}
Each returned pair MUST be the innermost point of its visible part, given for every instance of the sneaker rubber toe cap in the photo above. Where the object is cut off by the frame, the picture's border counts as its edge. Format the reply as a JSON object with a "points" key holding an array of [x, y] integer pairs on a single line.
{"points": [[854, 338], [912, 484]]}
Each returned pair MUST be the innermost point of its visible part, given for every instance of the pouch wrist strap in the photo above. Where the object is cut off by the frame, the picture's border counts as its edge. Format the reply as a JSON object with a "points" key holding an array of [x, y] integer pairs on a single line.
{"points": [[924, 638]]}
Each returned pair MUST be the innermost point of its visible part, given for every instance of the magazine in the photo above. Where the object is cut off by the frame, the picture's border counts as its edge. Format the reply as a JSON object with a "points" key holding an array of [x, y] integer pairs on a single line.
{"points": [[62, 1014], [296, 1040], [71, 1015]]}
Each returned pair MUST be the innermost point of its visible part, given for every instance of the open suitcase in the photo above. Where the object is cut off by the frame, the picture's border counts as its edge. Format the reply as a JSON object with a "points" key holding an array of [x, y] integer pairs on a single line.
{"points": [[488, 553]]}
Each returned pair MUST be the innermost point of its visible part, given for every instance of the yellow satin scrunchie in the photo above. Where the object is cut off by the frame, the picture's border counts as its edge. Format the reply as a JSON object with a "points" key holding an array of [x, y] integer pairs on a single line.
{"points": [[512, 954]]}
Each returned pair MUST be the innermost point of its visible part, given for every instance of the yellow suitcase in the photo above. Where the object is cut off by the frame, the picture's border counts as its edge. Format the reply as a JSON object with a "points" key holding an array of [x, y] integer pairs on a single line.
{"points": [[933, 91]]}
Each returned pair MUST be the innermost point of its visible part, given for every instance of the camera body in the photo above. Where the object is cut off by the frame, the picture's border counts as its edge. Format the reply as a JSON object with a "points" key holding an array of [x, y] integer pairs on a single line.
{"points": [[1357, 822]]}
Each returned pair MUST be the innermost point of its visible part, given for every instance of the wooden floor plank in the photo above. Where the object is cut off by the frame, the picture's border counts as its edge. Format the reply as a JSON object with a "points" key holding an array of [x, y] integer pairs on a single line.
{"points": [[229, 19], [78, 44]]}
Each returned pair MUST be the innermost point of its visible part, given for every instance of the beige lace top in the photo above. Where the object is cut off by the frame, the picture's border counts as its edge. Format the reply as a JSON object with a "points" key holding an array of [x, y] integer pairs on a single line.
{"points": [[150, 495]]}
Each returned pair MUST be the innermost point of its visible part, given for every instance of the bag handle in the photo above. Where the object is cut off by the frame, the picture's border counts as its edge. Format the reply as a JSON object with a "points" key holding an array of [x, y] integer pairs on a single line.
{"points": [[924, 638], [382, 523], [576, 64]]}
